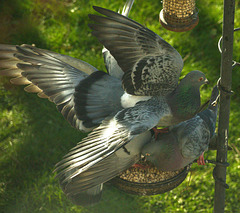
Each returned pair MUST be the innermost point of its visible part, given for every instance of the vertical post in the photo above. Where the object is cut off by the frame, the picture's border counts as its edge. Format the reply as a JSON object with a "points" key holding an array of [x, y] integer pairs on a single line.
{"points": [[224, 111]]}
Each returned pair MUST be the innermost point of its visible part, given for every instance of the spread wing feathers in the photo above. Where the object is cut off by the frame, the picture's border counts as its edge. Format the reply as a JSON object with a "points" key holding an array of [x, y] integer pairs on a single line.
{"points": [[151, 66], [106, 169], [97, 97], [194, 138], [106, 139], [101, 172], [51, 75], [110, 62]]}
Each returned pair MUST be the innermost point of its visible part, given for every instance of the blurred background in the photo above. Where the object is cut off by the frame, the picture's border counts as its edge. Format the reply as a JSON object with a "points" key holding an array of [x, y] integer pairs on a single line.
{"points": [[34, 136]]}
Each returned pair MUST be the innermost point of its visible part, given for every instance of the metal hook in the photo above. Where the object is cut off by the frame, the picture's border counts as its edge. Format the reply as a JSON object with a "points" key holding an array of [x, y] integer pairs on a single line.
{"points": [[235, 63], [223, 89]]}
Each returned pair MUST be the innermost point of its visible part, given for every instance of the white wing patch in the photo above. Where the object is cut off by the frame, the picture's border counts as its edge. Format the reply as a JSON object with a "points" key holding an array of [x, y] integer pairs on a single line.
{"points": [[128, 100]]}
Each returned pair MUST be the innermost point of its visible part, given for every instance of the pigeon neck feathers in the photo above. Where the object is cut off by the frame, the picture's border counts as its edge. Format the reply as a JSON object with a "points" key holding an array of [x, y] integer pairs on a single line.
{"points": [[184, 100]]}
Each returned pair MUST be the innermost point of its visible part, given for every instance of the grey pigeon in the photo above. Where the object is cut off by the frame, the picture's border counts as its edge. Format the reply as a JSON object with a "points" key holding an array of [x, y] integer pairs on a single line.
{"points": [[151, 66], [151, 69], [147, 96], [185, 141]]}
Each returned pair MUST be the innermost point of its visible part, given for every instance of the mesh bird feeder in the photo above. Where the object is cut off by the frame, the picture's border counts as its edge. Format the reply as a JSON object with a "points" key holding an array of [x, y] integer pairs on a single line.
{"points": [[179, 15]]}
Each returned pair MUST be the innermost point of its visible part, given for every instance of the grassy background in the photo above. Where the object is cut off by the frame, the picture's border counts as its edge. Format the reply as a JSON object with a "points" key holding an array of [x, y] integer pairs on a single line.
{"points": [[34, 136]]}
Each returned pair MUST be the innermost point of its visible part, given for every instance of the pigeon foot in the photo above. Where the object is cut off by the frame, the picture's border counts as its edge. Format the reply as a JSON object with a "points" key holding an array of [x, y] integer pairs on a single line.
{"points": [[200, 160], [159, 131]]}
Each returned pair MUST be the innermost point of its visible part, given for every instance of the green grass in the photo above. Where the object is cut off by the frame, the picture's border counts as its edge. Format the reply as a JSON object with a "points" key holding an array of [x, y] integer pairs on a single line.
{"points": [[34, 136]]}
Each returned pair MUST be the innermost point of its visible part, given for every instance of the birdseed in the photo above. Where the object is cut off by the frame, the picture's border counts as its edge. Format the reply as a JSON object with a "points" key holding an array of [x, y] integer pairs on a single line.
{"points": [[148, 174]]}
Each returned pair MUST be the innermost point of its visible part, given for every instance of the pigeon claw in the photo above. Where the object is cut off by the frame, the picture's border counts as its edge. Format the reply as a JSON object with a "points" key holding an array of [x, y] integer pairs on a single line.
{"points": [[200, 160], [159, 131]]}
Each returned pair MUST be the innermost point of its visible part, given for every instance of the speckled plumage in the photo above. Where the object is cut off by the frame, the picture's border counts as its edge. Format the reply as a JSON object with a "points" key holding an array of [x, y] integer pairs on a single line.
{"points": [[185, 141], [151, 66]]}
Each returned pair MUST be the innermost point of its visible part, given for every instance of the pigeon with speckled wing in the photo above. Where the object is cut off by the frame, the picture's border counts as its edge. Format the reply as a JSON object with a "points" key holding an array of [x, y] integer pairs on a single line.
{"points": [[138, 116], [96, 158], [151, 66], [185, 141], [148, 94]]}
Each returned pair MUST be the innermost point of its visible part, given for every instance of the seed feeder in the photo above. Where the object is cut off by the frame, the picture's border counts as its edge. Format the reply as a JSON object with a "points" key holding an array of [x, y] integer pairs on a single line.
{"points": [[134, 185], [179, 15]]}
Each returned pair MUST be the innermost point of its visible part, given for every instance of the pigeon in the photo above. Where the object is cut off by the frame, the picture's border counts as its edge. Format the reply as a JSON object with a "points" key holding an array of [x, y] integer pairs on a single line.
{"points": [[185, 141], [151, 96], [119, 109]]}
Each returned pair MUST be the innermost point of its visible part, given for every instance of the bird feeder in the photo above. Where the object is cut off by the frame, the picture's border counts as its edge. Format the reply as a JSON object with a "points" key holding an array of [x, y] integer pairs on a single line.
{"points": [[152, 188], [179, 15]]}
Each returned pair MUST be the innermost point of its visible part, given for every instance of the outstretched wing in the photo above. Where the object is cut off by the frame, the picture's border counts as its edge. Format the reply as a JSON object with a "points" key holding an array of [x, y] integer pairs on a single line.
{"points": [[106, 169], [151, 66], [111, 135], [50, 75]]}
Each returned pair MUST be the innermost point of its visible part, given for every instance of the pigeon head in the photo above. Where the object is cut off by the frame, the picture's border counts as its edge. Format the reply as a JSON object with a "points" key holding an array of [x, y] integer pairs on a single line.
{"points": [[163, 152], [196, 78]]}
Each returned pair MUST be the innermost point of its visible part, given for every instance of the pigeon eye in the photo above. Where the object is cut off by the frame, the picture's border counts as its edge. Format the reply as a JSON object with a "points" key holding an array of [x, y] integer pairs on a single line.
{"points": [[200, 79]]}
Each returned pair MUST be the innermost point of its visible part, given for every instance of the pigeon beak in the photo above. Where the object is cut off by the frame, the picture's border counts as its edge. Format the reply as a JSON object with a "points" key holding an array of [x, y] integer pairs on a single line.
{"points": [[206, 81]]}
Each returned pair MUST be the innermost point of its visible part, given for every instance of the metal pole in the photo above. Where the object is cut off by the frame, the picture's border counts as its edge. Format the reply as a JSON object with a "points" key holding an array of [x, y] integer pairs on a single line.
{"points": [[224, 110]]}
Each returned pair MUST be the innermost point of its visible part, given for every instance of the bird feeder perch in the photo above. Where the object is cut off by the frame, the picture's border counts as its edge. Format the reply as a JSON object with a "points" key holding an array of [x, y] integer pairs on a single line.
{"points": [[179, 15]]}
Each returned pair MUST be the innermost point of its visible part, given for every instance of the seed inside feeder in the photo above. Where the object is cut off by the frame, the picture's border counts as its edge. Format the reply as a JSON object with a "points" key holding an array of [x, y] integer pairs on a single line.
{"points": [[147, 174]]}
